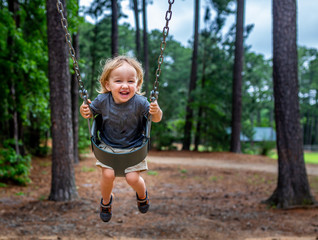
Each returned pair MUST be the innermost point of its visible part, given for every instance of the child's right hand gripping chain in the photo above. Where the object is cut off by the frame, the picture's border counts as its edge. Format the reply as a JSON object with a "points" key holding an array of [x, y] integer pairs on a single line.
{"points": [[85, 111], [155, 111]]}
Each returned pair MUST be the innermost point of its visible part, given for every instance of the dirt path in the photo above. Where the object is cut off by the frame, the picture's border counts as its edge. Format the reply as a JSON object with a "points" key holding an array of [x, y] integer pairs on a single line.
{"points": [[208, 162], [198, 160]]}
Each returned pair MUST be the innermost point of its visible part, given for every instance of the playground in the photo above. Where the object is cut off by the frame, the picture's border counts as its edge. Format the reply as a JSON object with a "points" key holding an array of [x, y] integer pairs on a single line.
{"points": [[193, 196]]}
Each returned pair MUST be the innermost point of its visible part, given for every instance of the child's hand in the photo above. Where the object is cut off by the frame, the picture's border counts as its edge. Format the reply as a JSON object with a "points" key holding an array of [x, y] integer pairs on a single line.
{"points": [[155, 111], [85, 111], [154, 108]]}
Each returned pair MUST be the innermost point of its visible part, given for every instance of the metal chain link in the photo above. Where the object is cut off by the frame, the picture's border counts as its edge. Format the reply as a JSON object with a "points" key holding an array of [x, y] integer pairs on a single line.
{"points": [[82, 91], [155, 91]]}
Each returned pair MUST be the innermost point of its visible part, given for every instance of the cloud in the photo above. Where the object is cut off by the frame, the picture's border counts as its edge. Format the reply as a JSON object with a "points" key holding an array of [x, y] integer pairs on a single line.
{"points": [[259, 13], [307, 23]]}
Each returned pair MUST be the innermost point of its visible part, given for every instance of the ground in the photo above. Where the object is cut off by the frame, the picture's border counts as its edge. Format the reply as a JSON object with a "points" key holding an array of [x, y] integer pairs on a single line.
{"points": [[193, 196]]}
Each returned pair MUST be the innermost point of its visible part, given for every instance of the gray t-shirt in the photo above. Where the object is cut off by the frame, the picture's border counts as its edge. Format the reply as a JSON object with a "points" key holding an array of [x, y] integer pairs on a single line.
{"points": [[123, 124]]}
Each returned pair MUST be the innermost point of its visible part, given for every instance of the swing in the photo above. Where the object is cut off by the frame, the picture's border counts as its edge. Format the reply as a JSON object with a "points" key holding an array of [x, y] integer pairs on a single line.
{"points": [[118, 161]]}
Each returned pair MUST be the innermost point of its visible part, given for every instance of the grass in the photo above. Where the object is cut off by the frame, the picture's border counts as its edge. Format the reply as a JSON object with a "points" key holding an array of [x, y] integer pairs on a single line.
{"points": [[310, 157], [152, 173], [88, 169]]}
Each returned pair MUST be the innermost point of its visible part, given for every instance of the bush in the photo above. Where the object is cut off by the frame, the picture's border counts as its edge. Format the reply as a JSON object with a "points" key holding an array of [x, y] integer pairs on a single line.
{"points": [[265, 147], [84, 141], [14, 167]]}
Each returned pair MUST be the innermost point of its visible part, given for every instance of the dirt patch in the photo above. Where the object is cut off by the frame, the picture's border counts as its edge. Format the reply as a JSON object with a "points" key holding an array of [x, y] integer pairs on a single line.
{"points": [[188, 201]]}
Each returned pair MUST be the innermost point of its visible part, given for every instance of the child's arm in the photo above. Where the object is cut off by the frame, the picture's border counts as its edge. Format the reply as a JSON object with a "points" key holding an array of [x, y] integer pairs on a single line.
{"points": [[155, 111], [85, 111]]}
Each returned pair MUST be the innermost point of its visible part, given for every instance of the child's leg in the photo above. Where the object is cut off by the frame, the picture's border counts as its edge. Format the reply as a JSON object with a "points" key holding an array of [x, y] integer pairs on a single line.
{"points": [[137, 183], [107, 181]]}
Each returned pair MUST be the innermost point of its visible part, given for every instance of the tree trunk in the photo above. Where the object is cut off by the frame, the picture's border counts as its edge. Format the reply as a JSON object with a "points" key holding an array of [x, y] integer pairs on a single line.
{"points": [[14, 8], [292, 185], [197, 138], [315, 140], [306, 128], [74, 97], [63, 181], [15, 118], [114, 28], [237, 79], [136, 14], [75, 107], [193, 79], [310, 129], [145, 40], [93, 56]]}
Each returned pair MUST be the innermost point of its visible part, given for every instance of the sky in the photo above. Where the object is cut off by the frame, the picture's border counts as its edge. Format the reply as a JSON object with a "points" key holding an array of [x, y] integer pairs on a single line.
{"points": [[257, 12]]}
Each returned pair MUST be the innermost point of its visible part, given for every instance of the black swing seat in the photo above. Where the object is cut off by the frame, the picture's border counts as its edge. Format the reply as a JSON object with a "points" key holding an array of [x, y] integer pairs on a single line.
{"points": [[118, 161]]}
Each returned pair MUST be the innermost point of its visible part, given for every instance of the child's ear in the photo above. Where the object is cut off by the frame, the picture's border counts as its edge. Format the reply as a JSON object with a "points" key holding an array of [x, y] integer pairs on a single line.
{"points": [[139, 86], [107, 86]]}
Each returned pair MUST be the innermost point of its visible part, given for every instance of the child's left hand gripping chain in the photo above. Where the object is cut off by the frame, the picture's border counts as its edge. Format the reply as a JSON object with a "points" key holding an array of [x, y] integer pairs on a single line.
{"points": [[155, 111]]}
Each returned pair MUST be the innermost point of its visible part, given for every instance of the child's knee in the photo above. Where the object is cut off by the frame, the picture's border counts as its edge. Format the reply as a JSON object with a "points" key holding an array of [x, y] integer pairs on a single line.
{"points": [[108, 174], [132, 178]]}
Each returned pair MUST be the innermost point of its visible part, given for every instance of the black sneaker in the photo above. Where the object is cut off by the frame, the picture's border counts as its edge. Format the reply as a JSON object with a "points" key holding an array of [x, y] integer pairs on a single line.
{"points": [[106, 210], [143, 204]]}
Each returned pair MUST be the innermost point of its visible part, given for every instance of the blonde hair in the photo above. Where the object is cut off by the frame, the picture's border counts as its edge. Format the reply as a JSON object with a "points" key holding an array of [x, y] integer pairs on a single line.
{"points": [[113, 63]]}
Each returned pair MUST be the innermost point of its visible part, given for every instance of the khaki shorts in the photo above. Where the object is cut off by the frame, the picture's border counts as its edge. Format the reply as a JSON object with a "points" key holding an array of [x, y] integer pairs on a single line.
{"points": [[142, 166]]}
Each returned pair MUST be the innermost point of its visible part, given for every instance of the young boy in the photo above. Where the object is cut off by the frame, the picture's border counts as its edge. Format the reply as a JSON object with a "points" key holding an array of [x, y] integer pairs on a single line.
{"points": [[123, 110]]}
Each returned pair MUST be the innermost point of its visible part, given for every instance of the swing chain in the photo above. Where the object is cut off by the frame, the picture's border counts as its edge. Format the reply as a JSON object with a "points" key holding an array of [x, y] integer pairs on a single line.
{"points": [[82, 91], [155, 91]]}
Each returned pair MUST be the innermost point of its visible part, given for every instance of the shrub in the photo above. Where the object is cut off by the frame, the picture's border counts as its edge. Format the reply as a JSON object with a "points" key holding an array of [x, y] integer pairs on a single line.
{"points": [[265, 147], [14, 167]]}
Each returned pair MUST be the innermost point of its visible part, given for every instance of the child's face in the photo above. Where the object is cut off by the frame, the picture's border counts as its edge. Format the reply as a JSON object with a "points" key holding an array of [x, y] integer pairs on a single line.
{"points": [[122, 83]]}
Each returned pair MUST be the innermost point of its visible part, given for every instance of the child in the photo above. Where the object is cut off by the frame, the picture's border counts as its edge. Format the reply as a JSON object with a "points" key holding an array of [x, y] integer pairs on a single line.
{"points": [[123, 110]]}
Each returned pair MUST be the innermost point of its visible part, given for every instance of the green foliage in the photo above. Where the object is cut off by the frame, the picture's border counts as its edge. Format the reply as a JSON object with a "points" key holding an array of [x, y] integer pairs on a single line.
{"points": [[308, 93], [166, 133], [83, 135], [23, 76], [258, 104], [265, 147], [162, 138], [14, 167]]}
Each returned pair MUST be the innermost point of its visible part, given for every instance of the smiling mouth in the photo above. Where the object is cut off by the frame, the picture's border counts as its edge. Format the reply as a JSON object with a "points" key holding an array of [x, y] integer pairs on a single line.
{"points": [[124, 93]]}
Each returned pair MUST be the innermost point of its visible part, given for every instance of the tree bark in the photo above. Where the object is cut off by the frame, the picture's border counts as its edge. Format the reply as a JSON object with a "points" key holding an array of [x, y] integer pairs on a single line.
{"points": [[63, 181], [136, 14], [237, 79], [193, 79], [94, 58], [145, 40], [197, 138], [74, 96], [114, 28], [14, 8], [292, 185]]}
